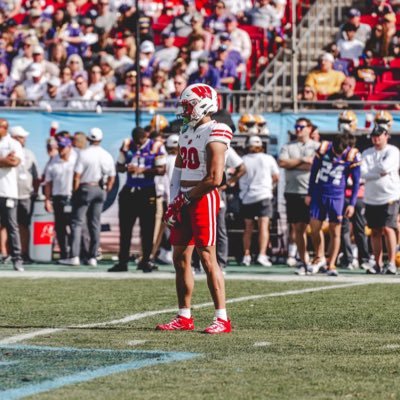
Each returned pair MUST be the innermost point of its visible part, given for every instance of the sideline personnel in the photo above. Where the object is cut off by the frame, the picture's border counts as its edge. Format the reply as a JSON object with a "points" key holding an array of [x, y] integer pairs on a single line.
{"points": [[142, 159], [11, 155], [94, 165]]}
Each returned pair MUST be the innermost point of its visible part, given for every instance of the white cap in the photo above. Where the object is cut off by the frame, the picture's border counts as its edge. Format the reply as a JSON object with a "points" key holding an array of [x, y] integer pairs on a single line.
{"points": [[18, 131], [95, 134], [147, 47], [172, 141], [36, 70], [254, 141], [38, 50], [328, 57], [54, 81]]}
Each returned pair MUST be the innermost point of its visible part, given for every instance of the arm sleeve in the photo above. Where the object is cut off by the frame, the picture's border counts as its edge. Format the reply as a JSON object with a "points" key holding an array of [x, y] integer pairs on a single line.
{"points": [[175, 184], [313, 174], [355, 176]]}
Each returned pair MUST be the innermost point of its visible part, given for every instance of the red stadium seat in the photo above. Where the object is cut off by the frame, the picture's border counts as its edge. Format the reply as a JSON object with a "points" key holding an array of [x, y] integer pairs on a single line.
{"points": [[180, 41], [395, 63], [369, 19], [363, 88], [386, 86]]}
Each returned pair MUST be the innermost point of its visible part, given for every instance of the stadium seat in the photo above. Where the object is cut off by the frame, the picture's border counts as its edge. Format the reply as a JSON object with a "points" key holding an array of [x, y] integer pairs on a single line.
{"points": [[381, 97], [363, 88], [386, 86], [369, 19]]}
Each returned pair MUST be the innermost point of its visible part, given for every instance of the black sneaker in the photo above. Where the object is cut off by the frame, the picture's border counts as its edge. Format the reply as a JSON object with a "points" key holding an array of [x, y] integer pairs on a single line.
{"points": [[118, 268], [148, 267]]}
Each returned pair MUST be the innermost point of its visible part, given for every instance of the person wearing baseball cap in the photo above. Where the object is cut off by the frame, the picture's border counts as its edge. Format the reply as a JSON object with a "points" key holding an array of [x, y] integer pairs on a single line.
{"points": [[256, 193], [380, 170], [94, 174], [324, 79], [28, 184], [363, 31]]}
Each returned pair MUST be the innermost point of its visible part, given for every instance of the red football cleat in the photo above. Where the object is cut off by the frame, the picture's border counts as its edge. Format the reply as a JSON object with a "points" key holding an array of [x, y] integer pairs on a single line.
{"points": [[219, 326], [179, 323]]}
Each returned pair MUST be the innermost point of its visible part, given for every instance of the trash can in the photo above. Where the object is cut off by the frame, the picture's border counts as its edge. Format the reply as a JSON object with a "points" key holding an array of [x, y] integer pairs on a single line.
{"points": [[41, 233]]}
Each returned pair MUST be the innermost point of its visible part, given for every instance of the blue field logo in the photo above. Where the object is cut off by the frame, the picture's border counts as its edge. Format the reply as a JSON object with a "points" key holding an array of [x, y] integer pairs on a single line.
{"points": [[29, 370]]}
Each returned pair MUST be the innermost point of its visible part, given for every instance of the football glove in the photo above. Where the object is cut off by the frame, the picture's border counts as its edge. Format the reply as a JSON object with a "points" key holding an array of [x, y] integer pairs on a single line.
{"points": [[173, 214]]}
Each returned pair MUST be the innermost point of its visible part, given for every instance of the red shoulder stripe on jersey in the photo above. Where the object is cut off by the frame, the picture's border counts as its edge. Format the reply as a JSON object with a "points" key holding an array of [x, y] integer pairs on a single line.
{"points": [[219, 134], [223, 132]]}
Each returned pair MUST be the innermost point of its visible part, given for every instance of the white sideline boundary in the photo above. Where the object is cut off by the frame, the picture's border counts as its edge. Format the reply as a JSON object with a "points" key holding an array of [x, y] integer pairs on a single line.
{"points": [[138, 316]]}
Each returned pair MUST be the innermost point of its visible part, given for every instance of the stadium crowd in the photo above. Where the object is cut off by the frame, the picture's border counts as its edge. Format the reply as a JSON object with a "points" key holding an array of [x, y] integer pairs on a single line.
{"points": [[147, 160], [361, 64], [81, 53]]}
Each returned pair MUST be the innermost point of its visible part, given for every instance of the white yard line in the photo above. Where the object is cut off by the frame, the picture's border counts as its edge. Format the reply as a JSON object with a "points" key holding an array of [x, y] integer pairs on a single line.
{"points": [[138, 316]]}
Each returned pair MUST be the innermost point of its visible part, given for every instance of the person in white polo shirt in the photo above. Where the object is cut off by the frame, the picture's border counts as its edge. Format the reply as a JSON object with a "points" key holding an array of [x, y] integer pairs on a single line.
{"points": [[94, 169], [256, 194], [380, 169], [28, 185], [11, 156]]}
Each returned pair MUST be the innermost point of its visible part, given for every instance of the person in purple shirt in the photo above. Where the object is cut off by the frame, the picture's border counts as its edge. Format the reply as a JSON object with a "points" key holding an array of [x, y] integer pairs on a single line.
{"points": [[206, 74], [215, 23], [6, 84], [225, 67], [333, 163]]}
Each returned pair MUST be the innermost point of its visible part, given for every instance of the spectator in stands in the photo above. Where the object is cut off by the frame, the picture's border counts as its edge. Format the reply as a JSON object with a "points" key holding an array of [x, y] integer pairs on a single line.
{"points": [[168, 52], [197, 29], [121, 60], [21, 63], [35, 87], [379, 8], [179, 82], [389, 31], [49, 68], [52, 98], [149, 98], [151, 8], [6, 84], [72, 37], [226, 68], [215, 23], [106, 65], [96, 82], [58, 55], [147, 59], [106, 18], [363, 32], [82, 95], [197, 51], [110, 98], [308, 94], [324, 79], [181, 25], [206, 74], [237, 7], [375, 42], [256, 193], [340, 100], [350, 47], [264, 15], [127, 92], [240, 38], [161, 83], [75, 63], [380, 169], [66, 84]]}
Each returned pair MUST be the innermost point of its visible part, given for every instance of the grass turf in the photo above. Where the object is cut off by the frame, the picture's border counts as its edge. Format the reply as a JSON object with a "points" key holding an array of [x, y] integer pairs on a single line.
{"points": [[337, 344]]}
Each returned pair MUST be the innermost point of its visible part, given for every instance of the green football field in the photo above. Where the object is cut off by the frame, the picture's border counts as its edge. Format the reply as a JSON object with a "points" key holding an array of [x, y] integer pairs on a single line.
{"points": [[81, 333]]}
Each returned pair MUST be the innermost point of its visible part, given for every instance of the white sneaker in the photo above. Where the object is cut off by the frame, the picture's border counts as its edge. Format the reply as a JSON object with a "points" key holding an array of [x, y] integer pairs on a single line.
{"points": [[165, 256], [332, 272], [264, 260], [301, 270], [390, 269], [367, 265], [316, 267], [291, 261], [92, 262], [246, 260], [70, 261]]}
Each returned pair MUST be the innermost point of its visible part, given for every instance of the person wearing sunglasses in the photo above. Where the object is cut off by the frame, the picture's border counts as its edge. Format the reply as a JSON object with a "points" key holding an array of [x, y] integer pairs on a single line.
{"points": [[296, 159]]}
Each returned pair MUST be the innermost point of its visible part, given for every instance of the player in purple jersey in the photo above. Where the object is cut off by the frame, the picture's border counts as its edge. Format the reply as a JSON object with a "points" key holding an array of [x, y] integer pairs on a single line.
{"points": [[333, 163]]}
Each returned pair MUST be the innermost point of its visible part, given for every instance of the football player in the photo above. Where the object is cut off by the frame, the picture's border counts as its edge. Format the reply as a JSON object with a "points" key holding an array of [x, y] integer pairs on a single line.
{"points": [[333, 163], [192, 213]]}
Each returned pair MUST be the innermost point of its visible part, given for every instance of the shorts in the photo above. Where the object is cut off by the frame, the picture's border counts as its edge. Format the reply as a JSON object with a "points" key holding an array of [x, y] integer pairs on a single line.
{"points": [[324, 207], [262, 208], [382, 215], [199, 222], [296, 208], [24, 212]]}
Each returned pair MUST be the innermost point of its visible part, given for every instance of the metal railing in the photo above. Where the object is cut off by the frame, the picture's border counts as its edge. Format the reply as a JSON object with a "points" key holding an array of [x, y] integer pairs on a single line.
{"points": [[279, 79]]}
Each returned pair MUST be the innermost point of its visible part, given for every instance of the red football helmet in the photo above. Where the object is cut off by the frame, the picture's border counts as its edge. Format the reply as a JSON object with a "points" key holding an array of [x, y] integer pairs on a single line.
{"points": [[197, 101]]}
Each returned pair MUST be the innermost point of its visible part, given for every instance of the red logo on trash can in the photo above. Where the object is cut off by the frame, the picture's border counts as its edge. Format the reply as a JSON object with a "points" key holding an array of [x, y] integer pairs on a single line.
{"points": [[43, 233]]}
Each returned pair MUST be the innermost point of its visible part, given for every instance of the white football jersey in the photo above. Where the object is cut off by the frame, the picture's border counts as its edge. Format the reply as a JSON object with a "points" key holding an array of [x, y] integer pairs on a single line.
{"points": [[192, 147]]}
